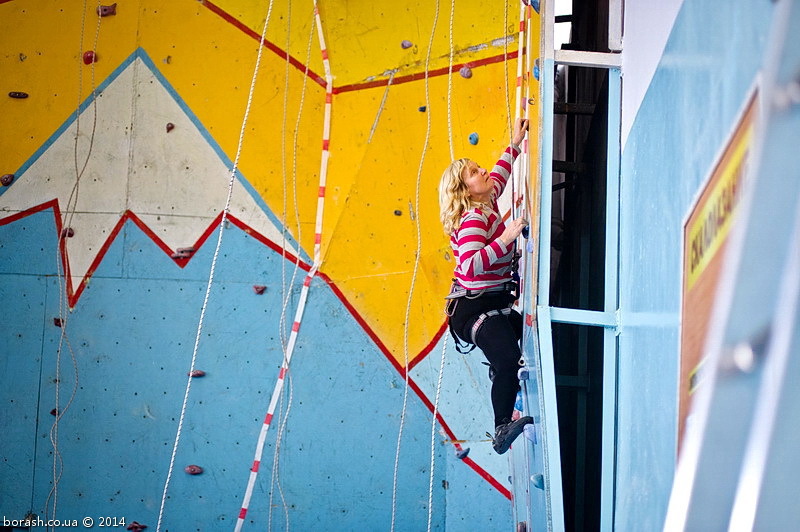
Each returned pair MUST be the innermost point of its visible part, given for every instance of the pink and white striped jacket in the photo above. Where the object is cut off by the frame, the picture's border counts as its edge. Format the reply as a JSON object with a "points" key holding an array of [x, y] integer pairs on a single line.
{"points": [[482, 260]]}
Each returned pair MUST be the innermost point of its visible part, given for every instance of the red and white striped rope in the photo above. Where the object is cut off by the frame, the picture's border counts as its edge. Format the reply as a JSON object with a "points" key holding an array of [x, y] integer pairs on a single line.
{"points": [[301, 305]]}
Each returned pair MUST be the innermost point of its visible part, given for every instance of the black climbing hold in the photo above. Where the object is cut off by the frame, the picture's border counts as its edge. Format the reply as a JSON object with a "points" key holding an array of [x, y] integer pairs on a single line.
{"points": [[259, 288], [398, 212], [525, 232], [136, 527], [57, 322], [422, 108], [193, 469], [197, 373], [462, 453], [7, 179], [67, 232], [170, 126], [18, 95], [54, 412], [107, 11]]}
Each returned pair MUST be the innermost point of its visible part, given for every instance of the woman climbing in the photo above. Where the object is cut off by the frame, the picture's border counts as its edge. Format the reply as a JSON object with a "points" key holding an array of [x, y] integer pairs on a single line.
{"points": [[479, 304]]}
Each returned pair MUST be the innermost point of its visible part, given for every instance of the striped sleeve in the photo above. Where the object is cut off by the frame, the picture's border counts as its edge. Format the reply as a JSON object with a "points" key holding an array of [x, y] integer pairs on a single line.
{"points": [[480, 252], [502, 170]]}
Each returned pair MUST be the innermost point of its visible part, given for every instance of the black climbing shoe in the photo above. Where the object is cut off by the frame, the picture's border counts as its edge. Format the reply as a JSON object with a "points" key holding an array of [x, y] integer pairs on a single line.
{"points": [[504, 435]]}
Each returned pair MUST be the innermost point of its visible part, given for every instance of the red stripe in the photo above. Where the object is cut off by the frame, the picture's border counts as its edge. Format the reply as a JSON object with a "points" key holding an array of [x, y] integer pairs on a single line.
{"points": [[322, 192], [529, 320], [318, 238], [421, 75], [324, 54], [268, 419], [256, 463], [270, 46], [328, 97], [521, 26], [326, 143], [242, 513], [282, 373], [295, 326], [519, 81], [307, 281]]}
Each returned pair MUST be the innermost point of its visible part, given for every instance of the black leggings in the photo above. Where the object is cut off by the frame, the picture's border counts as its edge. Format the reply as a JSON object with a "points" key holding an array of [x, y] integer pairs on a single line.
{"points": [[498, 338]]}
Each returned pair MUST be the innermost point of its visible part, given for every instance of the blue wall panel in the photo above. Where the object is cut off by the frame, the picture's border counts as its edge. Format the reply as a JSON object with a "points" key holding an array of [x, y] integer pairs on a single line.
{"points": [[132, 333], [709, 65]]}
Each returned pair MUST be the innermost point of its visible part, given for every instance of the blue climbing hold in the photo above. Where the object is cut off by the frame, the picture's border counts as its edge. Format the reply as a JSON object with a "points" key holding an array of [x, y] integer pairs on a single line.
{"points": [[535, 5], [525, 232], [529, 246], [536, 70], [529, 431], [462, 453], [538, 481], [473, 138], [524, 373], [518, 403]]}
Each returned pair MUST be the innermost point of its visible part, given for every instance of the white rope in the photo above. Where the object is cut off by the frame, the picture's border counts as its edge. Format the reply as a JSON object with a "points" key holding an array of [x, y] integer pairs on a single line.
{"points": [[416, 267], [223, 219], [433, 432], [450, 82], [380, 107], [61, 265]]}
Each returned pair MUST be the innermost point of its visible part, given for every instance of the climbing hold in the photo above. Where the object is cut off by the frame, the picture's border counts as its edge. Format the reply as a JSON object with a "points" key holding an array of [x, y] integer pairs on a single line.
{"points": [[57, 322], [18, 95], [522, 526], [167, 60], [22, 57], [531, 101], [7, 179], [259, 288], [107, 11], [182, 253], [67, 232], [422, 108], [529, 431], [136, 527], [89, 57], [535, 5], [54, 412], [536, 70], [170, 126], [473, 138], [538, 481], [466, 72], [398, 212], [462, 453], [524, 374], [197, 373], [405, 45], [518, 404], [525, 232], [193, 469]]}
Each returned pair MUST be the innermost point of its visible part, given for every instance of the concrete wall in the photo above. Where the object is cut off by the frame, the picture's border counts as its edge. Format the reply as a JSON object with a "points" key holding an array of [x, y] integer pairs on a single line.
{"points": [[116, 368]]}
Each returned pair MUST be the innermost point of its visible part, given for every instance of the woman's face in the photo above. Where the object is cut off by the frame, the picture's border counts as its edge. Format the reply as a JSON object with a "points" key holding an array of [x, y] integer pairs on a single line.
{"points": [[479, 183]]}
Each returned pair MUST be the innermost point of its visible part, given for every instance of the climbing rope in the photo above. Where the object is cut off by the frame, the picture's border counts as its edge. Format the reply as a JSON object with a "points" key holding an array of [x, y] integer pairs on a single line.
{"points": [[64, 272], [433, 432], [223, 219], [450, 82], [416, 267], [306, 282]]}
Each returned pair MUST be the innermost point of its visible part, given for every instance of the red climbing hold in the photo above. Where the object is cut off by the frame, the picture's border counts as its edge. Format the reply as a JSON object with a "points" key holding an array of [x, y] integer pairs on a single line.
{"points": [[106, 11], [466, 72], [7, 179], [193, 469], [170, 126], [67, 232], [89, 57], [259, 288], [183, 253], [197, 373], [18, 95], [136, 527]]}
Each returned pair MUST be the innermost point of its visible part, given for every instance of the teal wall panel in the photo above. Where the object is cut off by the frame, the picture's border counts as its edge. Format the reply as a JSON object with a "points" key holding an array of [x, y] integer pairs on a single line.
{"points": [[710, 63]]}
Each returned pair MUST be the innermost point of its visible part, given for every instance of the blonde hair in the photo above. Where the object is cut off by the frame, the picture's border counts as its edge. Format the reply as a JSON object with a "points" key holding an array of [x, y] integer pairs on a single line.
{"points": [[454, 198]]}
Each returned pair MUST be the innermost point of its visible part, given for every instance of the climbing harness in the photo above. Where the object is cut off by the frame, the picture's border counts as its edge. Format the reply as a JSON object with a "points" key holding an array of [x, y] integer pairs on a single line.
{"points": [[473, 333]]}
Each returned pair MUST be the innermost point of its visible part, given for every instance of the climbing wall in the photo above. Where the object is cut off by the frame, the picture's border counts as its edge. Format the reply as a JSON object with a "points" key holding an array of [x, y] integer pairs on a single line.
{"points": [[125, 132]]}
